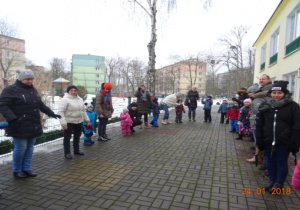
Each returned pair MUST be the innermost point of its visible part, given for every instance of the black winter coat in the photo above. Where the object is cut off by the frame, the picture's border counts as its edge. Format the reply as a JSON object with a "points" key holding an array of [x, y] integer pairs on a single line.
{"points": [[244, 114], [134, 114], [287, 127], [20, 105], [193, 97]]}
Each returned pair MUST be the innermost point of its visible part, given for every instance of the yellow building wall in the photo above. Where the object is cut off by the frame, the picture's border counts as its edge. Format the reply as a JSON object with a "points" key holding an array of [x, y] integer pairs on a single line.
{"points": [[285, 64]]}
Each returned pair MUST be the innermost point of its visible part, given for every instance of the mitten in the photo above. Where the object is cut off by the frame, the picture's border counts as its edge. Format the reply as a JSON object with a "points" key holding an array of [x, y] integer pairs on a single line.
{"points": [[56, 116]]}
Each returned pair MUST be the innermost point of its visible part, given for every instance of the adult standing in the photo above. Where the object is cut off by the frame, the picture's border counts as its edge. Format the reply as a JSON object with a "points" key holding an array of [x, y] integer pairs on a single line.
{"points": [[169, 101], [104, 108], [20, 104], [278, 132], [72, 111], [192, 98], [143, 102]]}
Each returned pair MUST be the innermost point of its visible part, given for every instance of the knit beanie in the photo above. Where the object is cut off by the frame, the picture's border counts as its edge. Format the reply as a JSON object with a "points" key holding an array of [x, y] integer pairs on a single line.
{"points": [[134, 104], [154, 99], [89, 105], [209, 97], [178, 95], [107, 86], [25, 74], [71, 87], [248, 100], [242, 90], [125, 110], [280, 85], [254, 88], [142, 85]]}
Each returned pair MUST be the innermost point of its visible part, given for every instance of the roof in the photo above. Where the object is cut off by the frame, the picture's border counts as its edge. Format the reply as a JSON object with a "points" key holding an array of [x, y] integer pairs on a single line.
{"points": [[62, 80]]}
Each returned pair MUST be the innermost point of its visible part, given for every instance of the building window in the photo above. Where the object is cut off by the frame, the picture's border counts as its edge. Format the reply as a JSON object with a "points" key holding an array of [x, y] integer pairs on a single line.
{"points": [[292, 79], [199, 85], [97, 68], [199, 79], [7, 42], [97, 89], [263, 57], [97, 75], [97, 82], [7, 53], [274, 47], [200, 73], [200, 67], [293, 31]]}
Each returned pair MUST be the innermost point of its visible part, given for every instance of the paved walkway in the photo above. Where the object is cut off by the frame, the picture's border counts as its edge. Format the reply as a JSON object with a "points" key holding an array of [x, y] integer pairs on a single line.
{"points": [[193, 165]]}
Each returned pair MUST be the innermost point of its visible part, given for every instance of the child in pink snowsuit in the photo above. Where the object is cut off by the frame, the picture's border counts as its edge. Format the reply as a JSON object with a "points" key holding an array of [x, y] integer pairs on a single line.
{"points": [[126, 122], [296, 177]]}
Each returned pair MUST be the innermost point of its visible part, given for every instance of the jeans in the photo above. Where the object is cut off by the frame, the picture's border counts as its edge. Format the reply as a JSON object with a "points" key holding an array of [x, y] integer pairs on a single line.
{"points": [[102, 126], [77, 129], [145, 116], [254, 135], [154, 120], [22, 154], [234, 125], [277, 162], [192, 110], [166, 109]]}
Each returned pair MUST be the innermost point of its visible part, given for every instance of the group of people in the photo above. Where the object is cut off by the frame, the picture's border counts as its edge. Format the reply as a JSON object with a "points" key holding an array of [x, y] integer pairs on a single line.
{"points": [[266, 112]]}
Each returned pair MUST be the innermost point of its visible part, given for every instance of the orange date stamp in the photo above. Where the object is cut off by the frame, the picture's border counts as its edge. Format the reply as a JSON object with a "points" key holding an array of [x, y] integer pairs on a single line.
{"points": [[259, 191]]}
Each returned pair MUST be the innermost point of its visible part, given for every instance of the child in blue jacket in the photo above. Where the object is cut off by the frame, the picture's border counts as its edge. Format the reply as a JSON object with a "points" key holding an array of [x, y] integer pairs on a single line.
{"points": [[156, 112], [89, 130], [223, 111], [207, 108]]}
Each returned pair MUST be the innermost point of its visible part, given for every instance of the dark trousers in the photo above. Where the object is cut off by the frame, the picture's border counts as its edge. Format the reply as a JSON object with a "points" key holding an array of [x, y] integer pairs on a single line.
{"points": [[178, 117], [277, 162], [76, 129], [207, 115], [145, 116], [102, 126], [223, 115]]}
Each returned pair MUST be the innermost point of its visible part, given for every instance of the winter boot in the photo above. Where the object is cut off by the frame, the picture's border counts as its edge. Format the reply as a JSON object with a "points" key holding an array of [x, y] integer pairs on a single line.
{"points": [[269, 185], [146, 125], [240, 137], [251, 160], [189, 114], [194, 115], [169, 122], [132, 130], [164, 122], [140, 126]]}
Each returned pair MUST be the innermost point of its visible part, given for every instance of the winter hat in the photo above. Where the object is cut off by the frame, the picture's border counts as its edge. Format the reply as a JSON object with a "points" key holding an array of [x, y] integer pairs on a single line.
{"points": [[242, 90], [179, 100], [280, 85], [71, 87], [25, 74], [230, 102], [154, 99], [125, 110], [134, 104], [142, 85], [248, 100], [178, 95], [254, 88], [107, 86], [89, 105], [209, 97]]}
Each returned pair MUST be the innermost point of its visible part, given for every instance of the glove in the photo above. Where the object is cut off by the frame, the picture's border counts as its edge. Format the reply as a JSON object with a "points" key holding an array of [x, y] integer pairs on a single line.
{"points": [[291, 147], [56, 116]]}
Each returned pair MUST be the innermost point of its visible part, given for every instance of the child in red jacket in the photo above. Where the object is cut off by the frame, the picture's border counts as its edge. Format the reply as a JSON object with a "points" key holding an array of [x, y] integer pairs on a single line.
{"points": [[233, 114], [179, 109]]}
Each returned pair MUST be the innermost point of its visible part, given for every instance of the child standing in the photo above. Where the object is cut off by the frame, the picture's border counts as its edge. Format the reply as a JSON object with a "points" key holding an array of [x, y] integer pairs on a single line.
{"points": [[207, 108], [223, 110], [233, 114], [126, 122], [156, 112], [243, 121], [89, 130], [179, 109]]}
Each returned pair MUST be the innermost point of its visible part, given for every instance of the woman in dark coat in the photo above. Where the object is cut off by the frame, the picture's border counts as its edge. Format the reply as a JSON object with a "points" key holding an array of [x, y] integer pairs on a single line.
{"points": [[192, 98], [20, 105], [278, 132], [143, 102]]}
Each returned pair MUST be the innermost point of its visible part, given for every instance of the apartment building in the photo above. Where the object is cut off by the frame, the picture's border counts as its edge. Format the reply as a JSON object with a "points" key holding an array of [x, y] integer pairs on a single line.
{"points": [[88, 71], [277, 46]]}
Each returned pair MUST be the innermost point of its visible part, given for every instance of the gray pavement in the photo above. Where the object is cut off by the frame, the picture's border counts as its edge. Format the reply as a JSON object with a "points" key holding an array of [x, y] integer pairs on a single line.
{"points": [[193, 165]]}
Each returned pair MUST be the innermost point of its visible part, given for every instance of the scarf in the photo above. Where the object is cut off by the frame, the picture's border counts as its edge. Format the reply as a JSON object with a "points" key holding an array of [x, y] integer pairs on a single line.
{"points": [[273, 104], [107, 98], [143, 95]]}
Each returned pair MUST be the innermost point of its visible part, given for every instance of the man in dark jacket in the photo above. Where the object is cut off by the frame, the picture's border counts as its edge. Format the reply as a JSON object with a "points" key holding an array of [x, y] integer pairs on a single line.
{"points": [[134, 114], [20, 105], [192, 98]]}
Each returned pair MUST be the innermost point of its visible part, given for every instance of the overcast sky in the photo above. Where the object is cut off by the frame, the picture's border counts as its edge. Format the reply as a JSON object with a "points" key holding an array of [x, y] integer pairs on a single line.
{"points": [[61, 28]]}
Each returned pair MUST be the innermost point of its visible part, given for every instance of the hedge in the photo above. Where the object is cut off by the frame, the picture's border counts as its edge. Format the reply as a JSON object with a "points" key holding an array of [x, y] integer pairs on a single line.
{"points": [[7, 146]]}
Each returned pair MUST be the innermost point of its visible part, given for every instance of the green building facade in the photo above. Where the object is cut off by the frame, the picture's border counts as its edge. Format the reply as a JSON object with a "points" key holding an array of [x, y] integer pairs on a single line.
{"points": [[88, 71]]}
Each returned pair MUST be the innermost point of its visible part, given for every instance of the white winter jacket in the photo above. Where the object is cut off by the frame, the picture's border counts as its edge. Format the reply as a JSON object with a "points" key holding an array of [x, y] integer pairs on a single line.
{"points": [[72, 110], [170, 100]]}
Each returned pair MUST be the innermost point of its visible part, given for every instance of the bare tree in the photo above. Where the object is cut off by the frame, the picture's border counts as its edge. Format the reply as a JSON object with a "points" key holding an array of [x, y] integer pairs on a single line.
{"points": [[58, 68], [7, 28], [111, 66], [150, 8]]}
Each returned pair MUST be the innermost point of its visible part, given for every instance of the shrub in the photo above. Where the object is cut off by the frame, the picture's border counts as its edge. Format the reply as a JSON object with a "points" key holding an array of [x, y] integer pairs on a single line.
{"points": [[5, 147]]}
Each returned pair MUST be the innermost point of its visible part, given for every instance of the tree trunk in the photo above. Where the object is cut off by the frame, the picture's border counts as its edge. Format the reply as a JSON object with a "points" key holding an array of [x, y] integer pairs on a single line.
{"points": [[151, 51]]}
